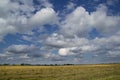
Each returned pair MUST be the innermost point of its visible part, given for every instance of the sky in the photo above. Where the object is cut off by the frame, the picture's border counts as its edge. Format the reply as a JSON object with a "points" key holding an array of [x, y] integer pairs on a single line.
{"points": [[59, 31]]}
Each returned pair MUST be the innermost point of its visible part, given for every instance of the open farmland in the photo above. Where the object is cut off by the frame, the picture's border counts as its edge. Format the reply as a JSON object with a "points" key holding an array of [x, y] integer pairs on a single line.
{"points": [[73, 72]]}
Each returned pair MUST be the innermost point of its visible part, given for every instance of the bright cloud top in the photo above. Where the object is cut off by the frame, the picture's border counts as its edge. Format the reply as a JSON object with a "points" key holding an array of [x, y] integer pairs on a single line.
{"points": [[80, 22]]}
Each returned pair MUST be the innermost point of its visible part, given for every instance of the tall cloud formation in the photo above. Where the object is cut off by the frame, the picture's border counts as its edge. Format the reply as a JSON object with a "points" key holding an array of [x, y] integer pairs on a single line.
{"points": [[18, 17], [69, 38], [80, 22]]}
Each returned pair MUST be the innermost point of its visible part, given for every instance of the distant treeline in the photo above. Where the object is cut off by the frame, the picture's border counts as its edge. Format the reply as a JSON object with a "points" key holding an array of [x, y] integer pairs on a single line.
{"points": [[24, 64]]}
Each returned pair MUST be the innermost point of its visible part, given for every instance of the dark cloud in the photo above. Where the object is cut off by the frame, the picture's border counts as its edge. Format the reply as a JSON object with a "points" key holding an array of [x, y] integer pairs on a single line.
{"points": [[36, 55]]}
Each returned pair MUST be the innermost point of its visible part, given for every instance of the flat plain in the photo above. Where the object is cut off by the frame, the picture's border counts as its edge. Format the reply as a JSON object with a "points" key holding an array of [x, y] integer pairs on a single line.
{"points": [[71, 72]]}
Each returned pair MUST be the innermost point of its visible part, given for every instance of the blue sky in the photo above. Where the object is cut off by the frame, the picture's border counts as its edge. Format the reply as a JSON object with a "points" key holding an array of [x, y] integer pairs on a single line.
{"points": [[57, 31]]}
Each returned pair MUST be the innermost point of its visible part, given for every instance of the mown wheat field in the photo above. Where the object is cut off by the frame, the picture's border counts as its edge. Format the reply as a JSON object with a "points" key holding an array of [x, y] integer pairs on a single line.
{"points": [[73, 72]]}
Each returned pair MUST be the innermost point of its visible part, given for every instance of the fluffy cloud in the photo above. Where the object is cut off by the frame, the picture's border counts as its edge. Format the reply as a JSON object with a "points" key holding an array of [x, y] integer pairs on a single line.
{"points": [[11, 18], [72, 39], [19, 16], [44, 16], [80, 46], [75, 22], [55, 40], [114, 53], [20, 53], [3, 55], [70, 6], [45, 3], [63, 51], [80, 22], [58, 40], [54, 57], [77, 50], [16, 49]]}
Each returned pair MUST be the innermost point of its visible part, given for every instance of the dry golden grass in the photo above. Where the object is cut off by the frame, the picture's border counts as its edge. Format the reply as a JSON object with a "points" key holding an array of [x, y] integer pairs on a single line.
{"points": [[78, 72]]}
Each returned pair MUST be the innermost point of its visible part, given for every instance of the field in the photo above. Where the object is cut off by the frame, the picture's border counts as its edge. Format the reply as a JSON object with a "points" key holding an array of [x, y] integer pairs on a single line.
{"points": [[73, 72]]}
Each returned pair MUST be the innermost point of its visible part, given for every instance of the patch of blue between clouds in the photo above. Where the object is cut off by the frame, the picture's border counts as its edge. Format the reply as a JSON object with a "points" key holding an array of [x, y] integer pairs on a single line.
{"points": [[94, 33]]}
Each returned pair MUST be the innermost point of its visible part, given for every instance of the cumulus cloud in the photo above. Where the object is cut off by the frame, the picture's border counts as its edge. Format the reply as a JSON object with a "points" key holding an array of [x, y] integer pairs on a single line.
{"points": [[55, 40], [80, 45], [11, 18], [44, 16], [3, 55], [54, 57], [63, 51], [25, 56], [19, 16], [58, 40], [72, 39], [75, 22], [45, 3], [70, 6], [80, 22], [27, 38], [114, 53], [21, 53], [78, 50], [16, 49]]}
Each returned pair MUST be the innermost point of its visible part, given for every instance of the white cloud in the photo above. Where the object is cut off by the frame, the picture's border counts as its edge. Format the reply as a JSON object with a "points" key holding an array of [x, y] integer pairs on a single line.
{"points": [[46, 3], [80, 22], [10, 17], [27, 38], [78, 50], [75, 22], [44, 16], [17, 18], [53, 57], [104, 23], [69, 40], [70, 6], [114, 53], [78, 46], [89, 48], [72, 40], [58, 40], [55, 40], [16, 49], [5, 28], [63, 51], [3, 55], [25, 56]]}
